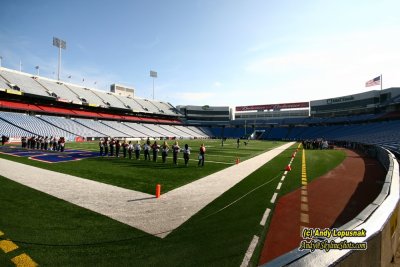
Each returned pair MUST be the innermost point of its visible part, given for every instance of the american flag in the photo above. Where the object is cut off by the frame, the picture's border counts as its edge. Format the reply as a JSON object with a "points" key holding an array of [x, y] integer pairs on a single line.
{"points": [[374, 81]]}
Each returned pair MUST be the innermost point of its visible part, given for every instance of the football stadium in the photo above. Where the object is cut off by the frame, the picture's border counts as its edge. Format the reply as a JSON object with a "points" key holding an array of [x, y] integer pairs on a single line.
{"points": [[105, 177]]}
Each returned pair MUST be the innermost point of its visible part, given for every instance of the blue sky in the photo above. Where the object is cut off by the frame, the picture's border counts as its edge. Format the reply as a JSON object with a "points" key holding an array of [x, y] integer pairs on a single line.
{"points": [[210, 52]]}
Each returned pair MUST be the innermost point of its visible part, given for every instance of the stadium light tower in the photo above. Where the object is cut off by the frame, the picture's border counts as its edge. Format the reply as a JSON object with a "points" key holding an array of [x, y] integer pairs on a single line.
{"points": [[154, 75], [60, 44], [37, 70]]}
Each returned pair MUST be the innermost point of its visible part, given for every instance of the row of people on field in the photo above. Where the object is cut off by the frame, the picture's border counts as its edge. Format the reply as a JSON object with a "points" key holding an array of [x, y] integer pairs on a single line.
{"points": [[315, 144], [113, 147], [44, 143]]}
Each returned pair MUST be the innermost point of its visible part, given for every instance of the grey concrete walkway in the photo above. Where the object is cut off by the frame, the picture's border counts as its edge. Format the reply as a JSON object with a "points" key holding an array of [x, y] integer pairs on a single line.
{"points": [[142, 211]]}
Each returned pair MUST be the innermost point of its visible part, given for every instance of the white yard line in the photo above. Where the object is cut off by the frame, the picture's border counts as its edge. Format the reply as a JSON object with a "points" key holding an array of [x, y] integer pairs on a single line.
{"points": [[250, 251]]}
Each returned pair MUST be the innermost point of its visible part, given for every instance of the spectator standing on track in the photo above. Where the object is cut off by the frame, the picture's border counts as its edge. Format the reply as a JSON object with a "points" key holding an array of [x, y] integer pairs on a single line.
{"points": [[175, 151], [155, 147], [202, 154], [137, 150], [186, 154], [238, 142], [147, 150]]}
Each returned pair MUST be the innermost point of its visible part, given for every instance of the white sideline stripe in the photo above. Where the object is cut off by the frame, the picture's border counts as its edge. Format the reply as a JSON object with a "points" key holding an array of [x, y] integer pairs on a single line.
{"points": [[249, 252], [265, 217], [274, 197], [279, 186], [140, 210], [284, 173], [283, 178]]}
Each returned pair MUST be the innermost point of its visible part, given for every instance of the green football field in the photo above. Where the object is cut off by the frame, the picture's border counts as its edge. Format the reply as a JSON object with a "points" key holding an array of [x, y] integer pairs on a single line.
{"points": [[56, 233]]}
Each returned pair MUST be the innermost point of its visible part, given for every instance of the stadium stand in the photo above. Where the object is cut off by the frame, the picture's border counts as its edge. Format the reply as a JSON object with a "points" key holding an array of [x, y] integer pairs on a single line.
{"points": [[86, 95], [23, 82], [59, 91], [101, 128], [3, 84], [123, 127], [71, 126], [159, 130], [11, 130], [110, 100], [35, 125], [132, 104]]}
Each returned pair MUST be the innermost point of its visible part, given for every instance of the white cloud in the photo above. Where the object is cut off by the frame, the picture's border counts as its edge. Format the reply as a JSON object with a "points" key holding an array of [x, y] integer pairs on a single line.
{"points": [[217, 84]]}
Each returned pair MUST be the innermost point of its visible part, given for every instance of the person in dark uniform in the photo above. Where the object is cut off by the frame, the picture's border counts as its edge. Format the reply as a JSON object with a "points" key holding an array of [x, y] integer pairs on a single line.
{"points": [[130, 149], [117, 148], [62, 144], [101, 146], [112, 145], [124, 148], [3, 139], [175, 151], [155, 147], [137, 149], [164, 153], [106, 146], [186, 154], [147, 150], [238, 142], [202, 154]]}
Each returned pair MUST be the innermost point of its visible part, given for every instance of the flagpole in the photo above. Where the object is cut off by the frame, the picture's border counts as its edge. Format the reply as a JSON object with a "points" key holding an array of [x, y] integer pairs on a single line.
{"points": [[380, 94]]}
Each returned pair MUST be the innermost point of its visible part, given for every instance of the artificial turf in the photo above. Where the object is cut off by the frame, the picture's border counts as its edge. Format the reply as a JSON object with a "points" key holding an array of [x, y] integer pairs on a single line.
{"points": [[141, 175], [56, 233]]}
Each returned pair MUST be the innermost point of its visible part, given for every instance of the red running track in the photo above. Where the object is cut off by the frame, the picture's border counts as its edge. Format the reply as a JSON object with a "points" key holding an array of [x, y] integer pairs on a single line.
{"points": [[333, 200]]}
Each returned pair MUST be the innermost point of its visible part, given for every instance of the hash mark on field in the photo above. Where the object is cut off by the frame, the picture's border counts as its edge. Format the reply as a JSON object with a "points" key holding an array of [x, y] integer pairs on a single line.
{"points": [[304, 192], [23, 260], [283, 178], [274, 197], [279, 186], [304, 199], [265, 217], [285, 173], [7, 245], [249, 252]]}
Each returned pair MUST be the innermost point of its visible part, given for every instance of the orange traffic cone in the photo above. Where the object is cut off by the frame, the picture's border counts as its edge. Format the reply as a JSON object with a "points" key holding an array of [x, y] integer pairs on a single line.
{"points": [[158, 190]]}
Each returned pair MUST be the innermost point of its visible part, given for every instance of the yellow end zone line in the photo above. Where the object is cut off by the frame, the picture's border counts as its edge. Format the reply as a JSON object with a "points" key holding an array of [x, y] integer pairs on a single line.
{"points": [[304, 217], [22, 260]]}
